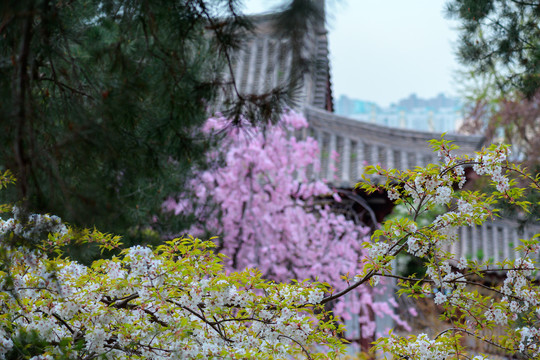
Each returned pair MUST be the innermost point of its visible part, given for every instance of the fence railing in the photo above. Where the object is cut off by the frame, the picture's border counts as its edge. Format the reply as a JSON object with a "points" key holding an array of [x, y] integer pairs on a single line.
{"points": [[358, 144], [494, 241]]}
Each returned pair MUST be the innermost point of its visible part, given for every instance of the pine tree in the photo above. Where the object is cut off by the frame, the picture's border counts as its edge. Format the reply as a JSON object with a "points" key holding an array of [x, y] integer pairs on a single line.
{"points": [[502, 38], [101, 102]]}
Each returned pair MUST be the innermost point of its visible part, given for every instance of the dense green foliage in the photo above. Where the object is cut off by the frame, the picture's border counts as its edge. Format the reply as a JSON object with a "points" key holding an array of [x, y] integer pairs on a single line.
{"points": [[101, 101], [500, 37]]}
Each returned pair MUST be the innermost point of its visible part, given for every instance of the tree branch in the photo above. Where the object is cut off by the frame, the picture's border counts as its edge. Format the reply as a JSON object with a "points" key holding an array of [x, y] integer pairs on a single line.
{"points": [[348, 289]]}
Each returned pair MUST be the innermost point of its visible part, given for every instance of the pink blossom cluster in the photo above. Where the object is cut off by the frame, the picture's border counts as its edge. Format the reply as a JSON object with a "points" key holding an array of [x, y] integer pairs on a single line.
{"points": [[262, 203]]}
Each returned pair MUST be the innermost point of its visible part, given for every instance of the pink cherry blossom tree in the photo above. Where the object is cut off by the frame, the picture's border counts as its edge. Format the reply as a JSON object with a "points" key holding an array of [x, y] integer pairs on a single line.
{"points": [[263, 203]]}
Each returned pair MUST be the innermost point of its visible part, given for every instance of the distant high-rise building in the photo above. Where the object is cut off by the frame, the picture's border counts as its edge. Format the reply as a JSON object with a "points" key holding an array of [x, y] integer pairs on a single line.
{"points": [[438, 114]]}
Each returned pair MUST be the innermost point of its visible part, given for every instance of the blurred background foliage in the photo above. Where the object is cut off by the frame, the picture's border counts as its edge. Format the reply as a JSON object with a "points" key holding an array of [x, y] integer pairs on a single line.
{"points": [[102, 102]]}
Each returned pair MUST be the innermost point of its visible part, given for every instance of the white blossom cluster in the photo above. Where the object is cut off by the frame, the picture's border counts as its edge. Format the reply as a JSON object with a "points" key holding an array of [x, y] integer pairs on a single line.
{"points": [[433, 188], [490, 164], [516, 287], [5, 343], [486, 163], [421, 348], [496, 314], [378, 250], [452, 282], [530, 340], [430, 189], [460, 173], [450, 160], [417, 247], [393, 194], [34, 226], [462, 263], [439, 298], [444, 278], [427, 189], [147, 305], [467, 212], [443, 195]]}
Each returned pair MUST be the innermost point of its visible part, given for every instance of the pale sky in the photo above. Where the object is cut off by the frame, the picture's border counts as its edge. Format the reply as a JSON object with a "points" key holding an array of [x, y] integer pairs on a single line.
{"points": [[384, 50]]}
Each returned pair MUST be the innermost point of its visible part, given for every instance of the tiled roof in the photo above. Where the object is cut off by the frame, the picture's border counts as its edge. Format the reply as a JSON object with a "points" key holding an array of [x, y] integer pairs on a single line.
{"points": [[265, 62]]}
